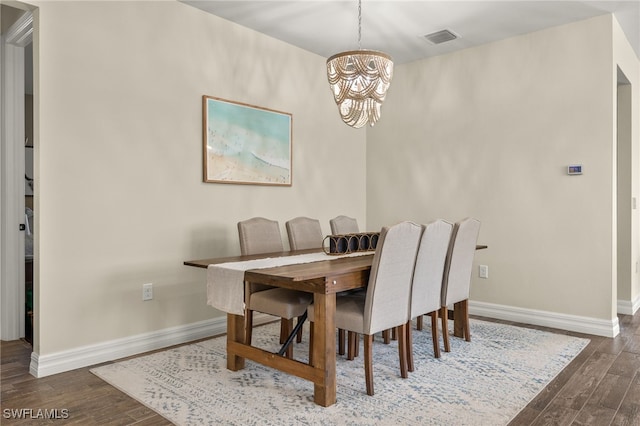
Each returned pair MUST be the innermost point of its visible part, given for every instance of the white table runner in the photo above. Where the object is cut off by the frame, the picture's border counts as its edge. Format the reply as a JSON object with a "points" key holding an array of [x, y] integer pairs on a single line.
{"points": [[225, 281]]}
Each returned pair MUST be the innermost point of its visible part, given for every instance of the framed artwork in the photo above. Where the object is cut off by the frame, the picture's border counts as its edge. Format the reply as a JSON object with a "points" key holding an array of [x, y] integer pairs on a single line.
{"points": [[245, 144]]}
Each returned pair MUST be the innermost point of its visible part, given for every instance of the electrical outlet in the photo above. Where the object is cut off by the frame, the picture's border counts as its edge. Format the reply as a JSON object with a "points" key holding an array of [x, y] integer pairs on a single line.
{"points": [[483, 271], [147, 291]]}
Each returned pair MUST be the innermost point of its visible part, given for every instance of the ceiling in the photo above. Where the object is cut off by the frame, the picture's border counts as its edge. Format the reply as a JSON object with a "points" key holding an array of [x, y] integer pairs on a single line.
{"points": [[398, 27]]}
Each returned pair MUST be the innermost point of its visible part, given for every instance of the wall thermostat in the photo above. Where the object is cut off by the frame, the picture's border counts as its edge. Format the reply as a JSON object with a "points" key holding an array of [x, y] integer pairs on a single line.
{"points": [[574, 169]]}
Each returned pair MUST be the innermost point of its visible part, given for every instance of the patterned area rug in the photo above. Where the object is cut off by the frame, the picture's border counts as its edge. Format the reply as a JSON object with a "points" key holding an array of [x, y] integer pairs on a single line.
{"points": [[483, 382]]}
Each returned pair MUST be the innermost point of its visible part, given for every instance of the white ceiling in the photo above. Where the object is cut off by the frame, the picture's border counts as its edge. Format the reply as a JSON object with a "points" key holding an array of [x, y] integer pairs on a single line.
{"points": [[397, 27]]}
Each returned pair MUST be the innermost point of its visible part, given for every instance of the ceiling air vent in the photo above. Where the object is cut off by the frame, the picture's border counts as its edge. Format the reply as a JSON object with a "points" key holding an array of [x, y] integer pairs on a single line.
{"points": [[440, 37]]}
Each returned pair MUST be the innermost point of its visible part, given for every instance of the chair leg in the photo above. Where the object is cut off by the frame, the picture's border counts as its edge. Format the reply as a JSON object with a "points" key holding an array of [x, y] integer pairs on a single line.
{"points": [[341, 341], [287, 330], [434, 334], [248, 325], [368, 366], [445, 328], [283, 330], [386, 337], [409, 339], [353, 343], [394, 335], [465, 313], [402, 349], [419, 322], [299, 335]]}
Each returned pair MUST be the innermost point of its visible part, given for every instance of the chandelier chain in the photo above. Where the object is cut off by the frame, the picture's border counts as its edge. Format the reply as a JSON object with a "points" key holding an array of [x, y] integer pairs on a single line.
{"points": [[359, 23]]}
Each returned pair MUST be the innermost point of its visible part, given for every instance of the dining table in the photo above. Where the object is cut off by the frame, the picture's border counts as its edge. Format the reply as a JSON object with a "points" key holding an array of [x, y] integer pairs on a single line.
{"points": [[324, 279]]}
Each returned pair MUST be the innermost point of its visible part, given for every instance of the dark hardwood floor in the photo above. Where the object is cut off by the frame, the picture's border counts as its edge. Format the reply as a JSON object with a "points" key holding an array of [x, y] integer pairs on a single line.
{"points": [[601, 386]]}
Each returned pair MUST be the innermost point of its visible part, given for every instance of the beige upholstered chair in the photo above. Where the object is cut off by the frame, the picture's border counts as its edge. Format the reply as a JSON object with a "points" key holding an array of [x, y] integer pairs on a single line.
{"points": [[304, 233], [386, 304], [457, 274], [343, 225], [427, 280], [259, 235]]}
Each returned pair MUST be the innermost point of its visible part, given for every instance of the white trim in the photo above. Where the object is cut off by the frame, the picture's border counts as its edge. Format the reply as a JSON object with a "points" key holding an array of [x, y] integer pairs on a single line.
{"points": [[627, 307], [21, 32], [46, 365], [575, 323]]}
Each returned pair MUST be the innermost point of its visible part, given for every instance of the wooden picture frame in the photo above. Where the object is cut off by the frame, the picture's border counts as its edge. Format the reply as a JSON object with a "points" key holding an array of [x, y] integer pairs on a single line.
{"points": [[245, 144]]}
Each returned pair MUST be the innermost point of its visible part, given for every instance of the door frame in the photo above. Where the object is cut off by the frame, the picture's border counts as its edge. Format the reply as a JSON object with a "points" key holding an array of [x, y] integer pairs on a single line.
{"points": [[12, 212]]}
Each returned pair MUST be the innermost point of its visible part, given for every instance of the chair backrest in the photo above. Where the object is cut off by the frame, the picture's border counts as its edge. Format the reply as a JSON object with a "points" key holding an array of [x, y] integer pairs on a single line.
{"points": [[343, 225], [429, 271], [304, 233], [259, 235], [457, 273], [389, 290]]}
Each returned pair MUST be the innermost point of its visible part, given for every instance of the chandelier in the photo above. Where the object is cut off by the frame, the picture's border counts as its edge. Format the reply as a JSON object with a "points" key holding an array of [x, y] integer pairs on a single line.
{"points": [[359, 80]]}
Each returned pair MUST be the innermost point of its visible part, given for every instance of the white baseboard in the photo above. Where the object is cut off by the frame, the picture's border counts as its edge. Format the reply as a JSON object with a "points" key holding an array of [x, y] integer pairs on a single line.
{"points": [[575, 323], [46, 365], [627, 307]]}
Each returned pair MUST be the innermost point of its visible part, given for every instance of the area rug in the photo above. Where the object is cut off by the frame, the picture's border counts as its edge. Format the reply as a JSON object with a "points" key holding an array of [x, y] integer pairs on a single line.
{"points": [[483, 382]]}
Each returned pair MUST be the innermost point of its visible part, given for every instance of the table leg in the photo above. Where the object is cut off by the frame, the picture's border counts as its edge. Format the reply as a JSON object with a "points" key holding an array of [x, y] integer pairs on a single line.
{"points": [[235, 333], [324, 348]]}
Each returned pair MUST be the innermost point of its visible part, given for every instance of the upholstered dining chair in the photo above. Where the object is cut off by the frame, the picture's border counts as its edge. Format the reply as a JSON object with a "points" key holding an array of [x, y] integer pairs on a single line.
{"points": [[343, 225], [457, 275], [304, 233], [386, 304], [427, 281], [259, 235]]}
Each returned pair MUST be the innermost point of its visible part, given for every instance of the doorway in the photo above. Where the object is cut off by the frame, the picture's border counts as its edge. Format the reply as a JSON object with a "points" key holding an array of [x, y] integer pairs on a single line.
{"points": [[15, 36], [625, 200], [29, 186]]}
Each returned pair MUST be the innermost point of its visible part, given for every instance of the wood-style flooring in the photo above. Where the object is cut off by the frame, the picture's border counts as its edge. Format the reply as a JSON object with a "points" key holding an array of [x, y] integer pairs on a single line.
{"points": [[600, 387]]}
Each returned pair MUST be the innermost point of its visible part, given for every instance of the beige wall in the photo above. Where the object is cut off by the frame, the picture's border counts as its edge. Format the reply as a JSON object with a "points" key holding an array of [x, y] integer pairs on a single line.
{"points": [[488, 132], [120, 198]]}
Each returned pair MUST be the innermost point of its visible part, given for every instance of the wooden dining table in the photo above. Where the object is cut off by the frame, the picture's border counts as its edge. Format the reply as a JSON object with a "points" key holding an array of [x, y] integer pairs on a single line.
{"points": [[324, 279]]}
